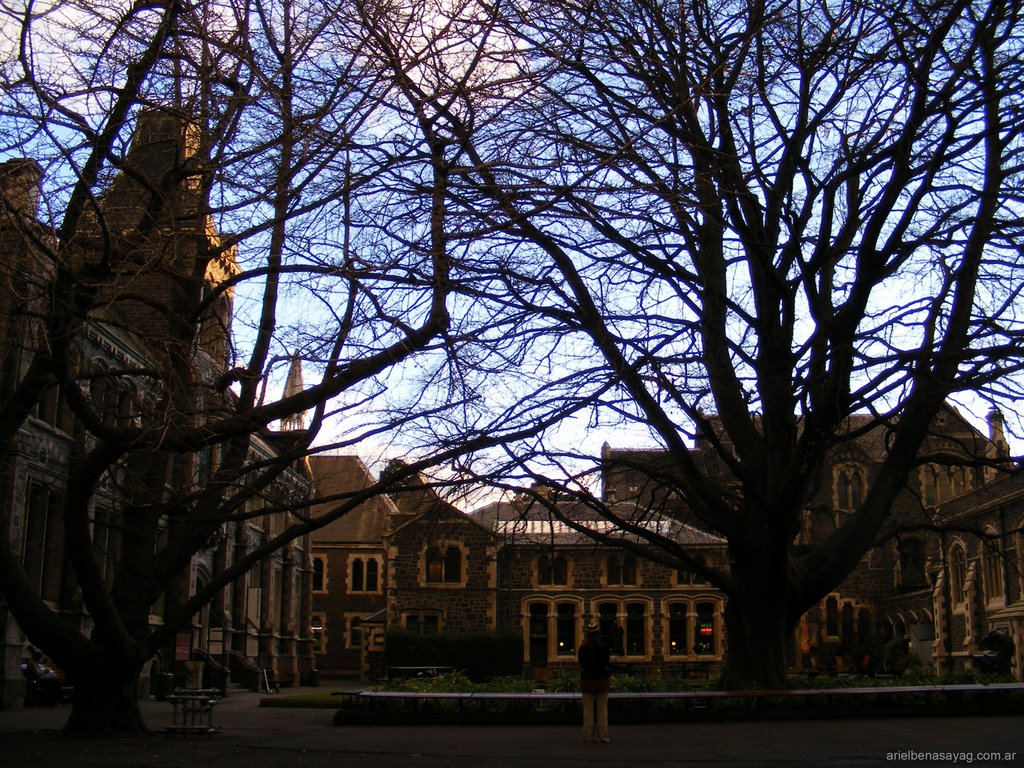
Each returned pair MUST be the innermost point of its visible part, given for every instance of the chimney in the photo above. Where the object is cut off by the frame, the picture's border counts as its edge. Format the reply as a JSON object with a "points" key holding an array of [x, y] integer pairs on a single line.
{"points": [[20, 187], [997, 433]]}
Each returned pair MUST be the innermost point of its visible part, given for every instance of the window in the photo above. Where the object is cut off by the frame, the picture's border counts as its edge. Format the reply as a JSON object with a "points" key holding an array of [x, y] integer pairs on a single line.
{"points": [[44, 560], [993, 573], [365, 575], [957, 573], [422, 623], [444, 567], [621, 570], [929, 485], [636, 629], [912, 564], [849, 487], [354, 638], [677, 629], [611, 632], [832, 616], [106, 542], [941, 483], [316, 632], [319, 577], [624, 627], [552, 571], [565, 629], [685, 578], [704, 630], [691, 628], [53, 409]]}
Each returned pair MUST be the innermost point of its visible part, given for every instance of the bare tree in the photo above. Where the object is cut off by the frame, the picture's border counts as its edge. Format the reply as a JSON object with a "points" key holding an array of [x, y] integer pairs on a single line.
{"points": [[203, 163], [748, 222]]}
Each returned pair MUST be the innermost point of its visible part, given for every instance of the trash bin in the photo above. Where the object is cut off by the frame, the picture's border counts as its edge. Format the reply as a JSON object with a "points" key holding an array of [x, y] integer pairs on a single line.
{"points": [[314, 678], [164, 686]]}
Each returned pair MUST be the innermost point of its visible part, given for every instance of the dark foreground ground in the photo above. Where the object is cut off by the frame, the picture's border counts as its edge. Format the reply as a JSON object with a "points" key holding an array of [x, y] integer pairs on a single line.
{"points": [[262, 737]]}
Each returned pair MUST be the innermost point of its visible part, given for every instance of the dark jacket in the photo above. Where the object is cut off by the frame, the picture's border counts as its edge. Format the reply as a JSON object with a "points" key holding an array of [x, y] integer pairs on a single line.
{"points": [[595, 665]]}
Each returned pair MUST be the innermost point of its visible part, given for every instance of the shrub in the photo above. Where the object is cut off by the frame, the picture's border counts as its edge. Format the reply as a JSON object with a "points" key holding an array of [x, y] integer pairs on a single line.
{"points": [[479, 656]]}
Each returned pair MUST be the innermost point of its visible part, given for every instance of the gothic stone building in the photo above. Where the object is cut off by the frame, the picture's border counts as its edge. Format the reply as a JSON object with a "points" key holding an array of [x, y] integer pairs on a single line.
{"points": [[263, 620]]}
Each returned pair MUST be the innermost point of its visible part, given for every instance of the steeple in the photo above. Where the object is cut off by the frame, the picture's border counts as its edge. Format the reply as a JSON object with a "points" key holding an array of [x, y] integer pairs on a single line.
{"points": [[294, 385]]}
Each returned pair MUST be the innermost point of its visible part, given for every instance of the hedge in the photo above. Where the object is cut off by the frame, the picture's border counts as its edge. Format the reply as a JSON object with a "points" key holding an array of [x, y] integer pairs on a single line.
{"points": [[478, 655]]}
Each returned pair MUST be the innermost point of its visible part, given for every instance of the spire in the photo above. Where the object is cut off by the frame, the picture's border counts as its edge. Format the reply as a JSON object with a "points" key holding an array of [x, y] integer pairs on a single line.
{"points": [[293, 385]]}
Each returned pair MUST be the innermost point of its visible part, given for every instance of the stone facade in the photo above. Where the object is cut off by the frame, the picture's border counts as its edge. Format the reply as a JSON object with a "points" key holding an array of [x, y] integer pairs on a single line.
{"points": [[263, 620]]}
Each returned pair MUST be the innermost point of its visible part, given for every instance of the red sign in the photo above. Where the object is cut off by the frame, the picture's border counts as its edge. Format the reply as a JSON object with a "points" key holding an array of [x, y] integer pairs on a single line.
{"points": [[183, 646]]}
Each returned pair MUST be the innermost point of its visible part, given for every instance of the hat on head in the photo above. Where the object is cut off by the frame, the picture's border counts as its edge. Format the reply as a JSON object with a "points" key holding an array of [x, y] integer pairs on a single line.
{"points": [[593, 627]]}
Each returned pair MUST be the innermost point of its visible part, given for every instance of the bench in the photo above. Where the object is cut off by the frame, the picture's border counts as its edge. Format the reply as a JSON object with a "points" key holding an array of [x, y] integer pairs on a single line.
{"points": [[192, 712]]}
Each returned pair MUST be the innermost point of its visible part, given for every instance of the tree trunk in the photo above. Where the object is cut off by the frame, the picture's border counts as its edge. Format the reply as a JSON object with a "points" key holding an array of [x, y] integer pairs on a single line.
{"points": [[757, 616], [106, 701], [758, 633]]}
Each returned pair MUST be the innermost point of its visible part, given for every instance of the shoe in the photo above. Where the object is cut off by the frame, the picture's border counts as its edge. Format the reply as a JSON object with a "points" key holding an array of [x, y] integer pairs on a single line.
{"points": [[605, 740]]}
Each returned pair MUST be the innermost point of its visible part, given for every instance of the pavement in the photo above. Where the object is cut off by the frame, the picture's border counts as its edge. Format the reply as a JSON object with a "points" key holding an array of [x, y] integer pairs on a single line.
{"points": [[252, 736]]}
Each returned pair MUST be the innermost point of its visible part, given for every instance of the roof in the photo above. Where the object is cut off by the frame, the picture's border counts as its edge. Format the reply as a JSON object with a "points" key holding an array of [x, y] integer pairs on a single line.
{"points": [[1004, 489], [527, 523], [335, 477]]}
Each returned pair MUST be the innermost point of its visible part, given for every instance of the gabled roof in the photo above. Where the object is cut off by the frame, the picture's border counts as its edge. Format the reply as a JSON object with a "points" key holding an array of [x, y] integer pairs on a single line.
{"points": [[334, 476], [425, 505]]}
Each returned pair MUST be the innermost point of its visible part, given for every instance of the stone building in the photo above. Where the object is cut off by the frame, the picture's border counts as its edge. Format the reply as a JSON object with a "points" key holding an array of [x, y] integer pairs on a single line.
{"points": [[350, 566], [947, 573], [554, 580], [900, 592], [263, 620]]}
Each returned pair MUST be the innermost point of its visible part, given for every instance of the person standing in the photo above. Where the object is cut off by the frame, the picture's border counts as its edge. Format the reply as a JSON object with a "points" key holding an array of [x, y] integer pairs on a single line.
{"points": [[595, 670]]}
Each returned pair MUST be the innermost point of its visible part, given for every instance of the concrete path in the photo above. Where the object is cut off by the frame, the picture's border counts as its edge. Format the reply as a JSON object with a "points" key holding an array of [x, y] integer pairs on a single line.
{"points": [[265, 737]]}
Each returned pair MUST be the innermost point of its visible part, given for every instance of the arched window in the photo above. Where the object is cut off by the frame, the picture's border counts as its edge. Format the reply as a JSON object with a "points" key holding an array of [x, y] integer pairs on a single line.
{"points": [[544, 570], [993, 562], [636, 629], [677, 629], [849, 486], [704, 630], [611, 632], [912, 562], [621, 570], [444, 567], [435, 566], [929, 485], [453, 565], [565, 629], [957, 573], [832, 616]]}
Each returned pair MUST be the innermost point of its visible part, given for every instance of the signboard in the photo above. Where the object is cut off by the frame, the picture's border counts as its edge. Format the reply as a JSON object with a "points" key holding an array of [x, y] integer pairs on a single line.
{"points": [[183, 646]]}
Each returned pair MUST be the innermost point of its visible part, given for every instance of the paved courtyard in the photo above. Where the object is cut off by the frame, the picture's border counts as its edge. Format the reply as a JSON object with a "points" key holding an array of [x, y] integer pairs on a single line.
{"points": [[263, 737]]}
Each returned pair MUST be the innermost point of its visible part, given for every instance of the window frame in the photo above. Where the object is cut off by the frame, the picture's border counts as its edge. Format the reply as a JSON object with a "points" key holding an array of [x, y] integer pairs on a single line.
{"points": [[438, 563]]}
